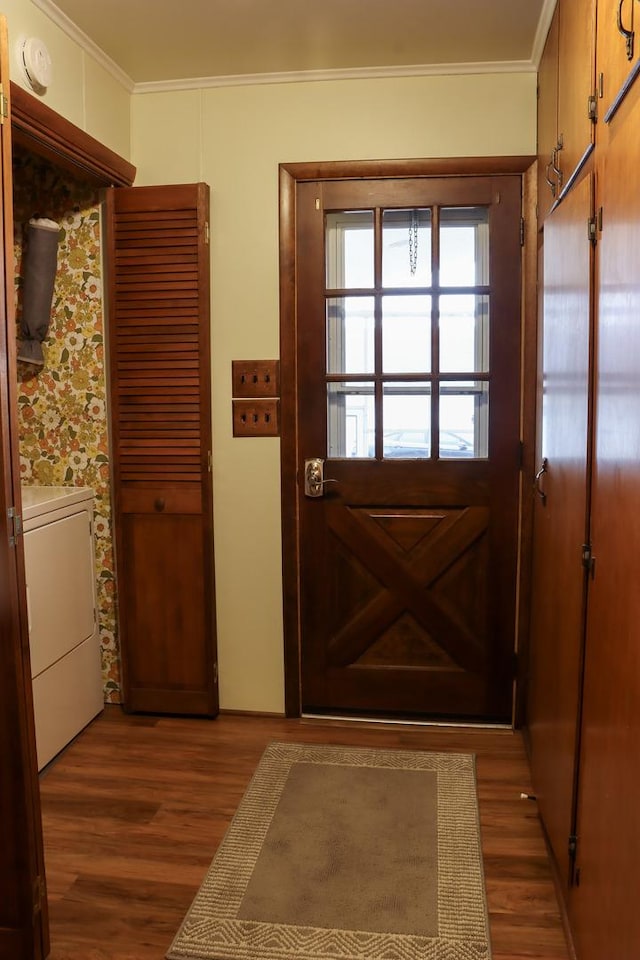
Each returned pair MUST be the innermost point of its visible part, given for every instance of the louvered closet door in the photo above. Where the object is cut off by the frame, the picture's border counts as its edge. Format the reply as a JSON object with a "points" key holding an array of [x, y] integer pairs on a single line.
{"points": [[161, 443]]}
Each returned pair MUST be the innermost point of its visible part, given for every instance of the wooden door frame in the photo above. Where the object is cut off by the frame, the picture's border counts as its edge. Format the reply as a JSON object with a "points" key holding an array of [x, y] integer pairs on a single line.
{"points": [[40, 129], [37, 127], [290, 175]]}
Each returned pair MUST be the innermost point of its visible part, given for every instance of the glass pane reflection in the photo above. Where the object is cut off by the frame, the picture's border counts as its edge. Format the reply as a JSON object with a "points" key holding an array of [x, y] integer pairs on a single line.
{"points": [[350, 335], [406, 334], [406, 248], [406, 413], [464, 246], [350, 420], [464, 420], [464, 333], [349, 249]]}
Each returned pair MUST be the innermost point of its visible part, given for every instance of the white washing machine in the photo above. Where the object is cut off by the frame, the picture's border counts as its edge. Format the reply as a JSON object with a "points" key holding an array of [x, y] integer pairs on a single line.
{"points": [[63, 624]]}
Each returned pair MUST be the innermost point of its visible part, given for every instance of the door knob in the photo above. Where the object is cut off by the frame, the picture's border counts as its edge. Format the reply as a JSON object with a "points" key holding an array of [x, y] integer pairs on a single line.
{"points": [[314, 477]]}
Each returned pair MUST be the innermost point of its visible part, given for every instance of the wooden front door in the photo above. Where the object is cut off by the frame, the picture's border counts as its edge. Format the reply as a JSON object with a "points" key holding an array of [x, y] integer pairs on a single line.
{"points": [[561, 517], [408, 389]]}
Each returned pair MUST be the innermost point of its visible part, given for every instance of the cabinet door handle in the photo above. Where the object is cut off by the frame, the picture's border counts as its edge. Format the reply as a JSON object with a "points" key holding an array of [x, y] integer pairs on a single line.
{"points": [[537, 483], [627, 34], [548, 178], [554, 163], [159, 505]]}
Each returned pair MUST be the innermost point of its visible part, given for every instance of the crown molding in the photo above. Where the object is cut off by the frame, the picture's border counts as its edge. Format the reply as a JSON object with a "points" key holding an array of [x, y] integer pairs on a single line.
{"points": [[300, 76], [546, 16], [356, 73], [85, 42]]}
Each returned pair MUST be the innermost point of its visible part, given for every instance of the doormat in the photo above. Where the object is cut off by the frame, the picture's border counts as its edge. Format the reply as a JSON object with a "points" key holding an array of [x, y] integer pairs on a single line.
{"points": [[349, 854]]}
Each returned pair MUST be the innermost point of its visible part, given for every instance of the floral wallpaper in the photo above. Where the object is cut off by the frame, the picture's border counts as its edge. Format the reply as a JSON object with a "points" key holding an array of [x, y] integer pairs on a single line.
{"points": [[62, 406]]}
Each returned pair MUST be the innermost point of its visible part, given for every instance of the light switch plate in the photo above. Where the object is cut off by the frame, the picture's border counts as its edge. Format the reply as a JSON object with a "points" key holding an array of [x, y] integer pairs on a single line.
{"points": [[256, 418], [255, 378]]}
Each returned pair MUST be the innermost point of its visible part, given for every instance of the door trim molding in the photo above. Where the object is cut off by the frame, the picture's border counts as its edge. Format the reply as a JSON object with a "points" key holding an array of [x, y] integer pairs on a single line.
{"points": [[37, 127], [290, 174]]}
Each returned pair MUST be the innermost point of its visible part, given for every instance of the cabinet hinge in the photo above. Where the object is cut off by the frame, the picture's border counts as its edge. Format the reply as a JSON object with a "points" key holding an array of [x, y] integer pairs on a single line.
{"points": [[206, 231], [16, 525], [38, 894], [4, 106], [588, 559], [215, 673], [522, 231], [592, 229], [592, 108], [209, 461]]}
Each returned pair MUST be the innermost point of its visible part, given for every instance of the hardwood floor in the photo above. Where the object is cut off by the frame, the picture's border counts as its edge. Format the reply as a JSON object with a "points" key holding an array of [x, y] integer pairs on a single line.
{"points": [[135, 808]]}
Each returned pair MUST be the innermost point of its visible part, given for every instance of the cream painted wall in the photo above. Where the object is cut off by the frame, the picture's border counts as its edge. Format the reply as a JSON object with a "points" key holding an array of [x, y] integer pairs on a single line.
{"points": [[234, 138], [81, 90]]}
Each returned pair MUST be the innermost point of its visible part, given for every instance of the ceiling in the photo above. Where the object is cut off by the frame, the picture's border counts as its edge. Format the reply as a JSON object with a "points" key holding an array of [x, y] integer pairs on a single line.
{"points": [[163, 40]]}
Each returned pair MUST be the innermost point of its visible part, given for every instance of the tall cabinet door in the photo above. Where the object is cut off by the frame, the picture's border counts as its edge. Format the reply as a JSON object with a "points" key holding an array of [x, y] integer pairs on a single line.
{"points": [[24, 931], [560, 521], [604, 908], [159, 349], [576, 82], [566, 99], [548, 183]]}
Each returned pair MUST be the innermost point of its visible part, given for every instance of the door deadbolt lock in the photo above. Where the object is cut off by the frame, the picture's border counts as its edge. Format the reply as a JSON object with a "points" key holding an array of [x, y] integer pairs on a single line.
{"points": [[314, 477]]}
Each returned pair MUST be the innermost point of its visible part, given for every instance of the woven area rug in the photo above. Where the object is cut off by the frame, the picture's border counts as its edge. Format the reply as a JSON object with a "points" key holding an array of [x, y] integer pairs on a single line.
{"points": [[342, 853]]}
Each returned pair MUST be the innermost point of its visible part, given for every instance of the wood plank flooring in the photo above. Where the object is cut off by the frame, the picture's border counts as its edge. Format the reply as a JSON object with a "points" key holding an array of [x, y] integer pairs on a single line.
{"points": [[134, 810]]}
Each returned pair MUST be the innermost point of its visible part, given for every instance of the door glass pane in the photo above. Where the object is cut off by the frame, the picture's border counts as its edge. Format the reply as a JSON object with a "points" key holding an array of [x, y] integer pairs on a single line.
{"points": [[350, 420], [406, 334], [406, 248], [349, 249], [350, 340], [464, 246], [406, 413], [464, 333], [464, 420]]}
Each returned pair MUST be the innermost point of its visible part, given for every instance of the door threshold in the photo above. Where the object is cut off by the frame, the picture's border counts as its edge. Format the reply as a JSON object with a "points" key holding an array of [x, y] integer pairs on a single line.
{"points": [[394, 721]]}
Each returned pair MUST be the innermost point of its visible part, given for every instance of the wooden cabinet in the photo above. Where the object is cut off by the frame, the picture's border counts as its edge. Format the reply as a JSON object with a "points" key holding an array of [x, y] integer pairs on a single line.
{"points": [[159, 349], [603, 908], [618, 51], [548, 121], [566, 98], [576, 83], [583, 765]]}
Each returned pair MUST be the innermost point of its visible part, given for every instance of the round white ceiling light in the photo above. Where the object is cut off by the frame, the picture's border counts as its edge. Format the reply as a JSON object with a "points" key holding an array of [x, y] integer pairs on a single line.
{"points": [[36, 63]]}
